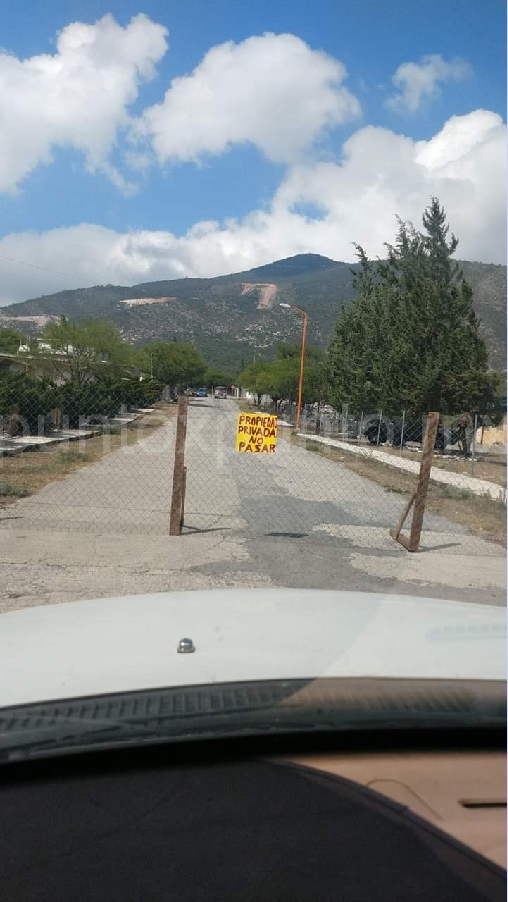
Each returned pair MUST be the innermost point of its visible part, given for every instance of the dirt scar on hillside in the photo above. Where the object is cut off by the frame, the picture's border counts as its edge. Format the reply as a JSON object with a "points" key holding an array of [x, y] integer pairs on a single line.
{"points": [[138, 302], [267, 293]]}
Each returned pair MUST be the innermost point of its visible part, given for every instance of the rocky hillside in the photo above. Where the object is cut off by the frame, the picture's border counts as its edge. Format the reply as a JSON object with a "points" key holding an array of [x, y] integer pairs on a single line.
{"points": [[233, 318]]}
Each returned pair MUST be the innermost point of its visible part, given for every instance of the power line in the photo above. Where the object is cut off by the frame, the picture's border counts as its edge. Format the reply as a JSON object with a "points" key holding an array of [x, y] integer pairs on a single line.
{"points": [[55, 272]]}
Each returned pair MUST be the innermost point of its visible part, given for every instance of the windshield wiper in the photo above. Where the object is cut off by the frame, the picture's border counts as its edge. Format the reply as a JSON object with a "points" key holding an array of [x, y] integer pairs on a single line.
{"points": [[262, 708]]}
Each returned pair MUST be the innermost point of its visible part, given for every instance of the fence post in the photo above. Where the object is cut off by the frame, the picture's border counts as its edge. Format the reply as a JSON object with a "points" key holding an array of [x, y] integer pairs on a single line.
{"points": [[343, 422], [183, 497], [179, 475], [473, 445], [402, 431], [420, 496], [57, 417], [12, 421], [360, 431], [379, 427], [317, 428]]}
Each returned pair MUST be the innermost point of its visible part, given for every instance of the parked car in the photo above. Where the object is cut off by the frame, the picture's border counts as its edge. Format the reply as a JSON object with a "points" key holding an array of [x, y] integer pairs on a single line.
{"points": [[413, 432], [202, 393], [220, 391]]}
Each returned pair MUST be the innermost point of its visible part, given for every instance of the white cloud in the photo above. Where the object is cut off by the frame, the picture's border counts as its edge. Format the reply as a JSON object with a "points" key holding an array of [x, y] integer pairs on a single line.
{"points": [[418, 82], [380, 174], [272, 91], [76, 98]]}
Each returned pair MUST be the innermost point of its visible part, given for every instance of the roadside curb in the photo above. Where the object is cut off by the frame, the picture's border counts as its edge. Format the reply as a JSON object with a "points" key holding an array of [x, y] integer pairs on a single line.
{"points": [[468, 483]]}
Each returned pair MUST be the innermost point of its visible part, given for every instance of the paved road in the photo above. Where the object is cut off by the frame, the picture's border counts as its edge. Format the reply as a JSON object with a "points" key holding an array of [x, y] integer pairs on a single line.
{"points": [[289, 519]]}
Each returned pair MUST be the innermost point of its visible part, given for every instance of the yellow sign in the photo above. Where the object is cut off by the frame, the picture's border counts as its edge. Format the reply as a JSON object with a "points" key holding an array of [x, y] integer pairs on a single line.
{"points": [[256, 432]]}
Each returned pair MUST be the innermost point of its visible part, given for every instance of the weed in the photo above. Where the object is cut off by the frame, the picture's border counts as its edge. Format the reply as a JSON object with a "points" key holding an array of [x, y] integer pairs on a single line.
{"points": [[12, 491], [313, 446], [459, 494], [72, 457]]}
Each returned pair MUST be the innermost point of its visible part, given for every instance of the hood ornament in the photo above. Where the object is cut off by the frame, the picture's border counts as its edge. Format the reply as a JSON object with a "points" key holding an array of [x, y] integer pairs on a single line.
{"points": [[185, 647]]}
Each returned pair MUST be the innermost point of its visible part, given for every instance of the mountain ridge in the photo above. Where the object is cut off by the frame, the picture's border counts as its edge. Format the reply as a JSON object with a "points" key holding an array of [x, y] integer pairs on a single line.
{"points": [[232, 324]]}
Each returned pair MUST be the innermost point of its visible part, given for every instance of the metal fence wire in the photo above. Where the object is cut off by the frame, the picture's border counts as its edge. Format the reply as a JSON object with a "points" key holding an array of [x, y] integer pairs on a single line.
{"points": [[342, 478]]}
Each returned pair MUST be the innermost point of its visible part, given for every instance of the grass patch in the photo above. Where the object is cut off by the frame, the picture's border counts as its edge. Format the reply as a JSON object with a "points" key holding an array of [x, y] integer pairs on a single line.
{"points": [[71, 457], [450, 491], [481, 515], [12, 491], [314, 446], [26, 473]]}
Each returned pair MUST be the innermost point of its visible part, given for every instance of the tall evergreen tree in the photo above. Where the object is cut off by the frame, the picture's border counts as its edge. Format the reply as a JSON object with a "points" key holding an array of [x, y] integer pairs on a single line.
{"points": [[410, 339]]}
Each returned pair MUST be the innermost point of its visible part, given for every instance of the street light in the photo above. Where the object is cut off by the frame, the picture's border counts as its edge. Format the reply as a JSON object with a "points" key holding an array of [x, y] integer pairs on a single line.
{"points": [[302, 360]]}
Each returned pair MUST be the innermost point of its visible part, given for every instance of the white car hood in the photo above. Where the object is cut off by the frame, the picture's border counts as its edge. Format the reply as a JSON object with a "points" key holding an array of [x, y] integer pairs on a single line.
{"points": [[124, 644]]}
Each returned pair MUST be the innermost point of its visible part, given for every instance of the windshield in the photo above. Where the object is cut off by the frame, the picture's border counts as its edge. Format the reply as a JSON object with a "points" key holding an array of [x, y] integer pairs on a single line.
{"points": [[252, 346]]}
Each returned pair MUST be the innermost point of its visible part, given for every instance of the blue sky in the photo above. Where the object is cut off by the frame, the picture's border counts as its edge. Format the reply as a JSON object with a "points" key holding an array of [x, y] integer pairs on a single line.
{"points": [[69, 169]]}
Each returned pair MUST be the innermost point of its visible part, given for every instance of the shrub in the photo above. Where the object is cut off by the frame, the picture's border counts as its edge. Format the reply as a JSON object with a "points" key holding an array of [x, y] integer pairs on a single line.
{"points": [[13, 491], [79, 402], [33, 398]]}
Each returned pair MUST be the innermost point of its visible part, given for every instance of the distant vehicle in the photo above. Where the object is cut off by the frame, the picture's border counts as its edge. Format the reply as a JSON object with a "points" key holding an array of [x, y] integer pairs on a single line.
{"points": [[189, 392], [413, 432], [201, 393], [220, 391]]}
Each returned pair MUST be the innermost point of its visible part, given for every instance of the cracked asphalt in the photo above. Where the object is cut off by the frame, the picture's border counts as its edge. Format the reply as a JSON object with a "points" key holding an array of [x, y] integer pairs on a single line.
{"points": [[293, 519]]}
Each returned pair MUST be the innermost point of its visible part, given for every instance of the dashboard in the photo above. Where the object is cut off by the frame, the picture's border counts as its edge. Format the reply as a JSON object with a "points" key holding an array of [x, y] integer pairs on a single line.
{"points": [[254, 821]]}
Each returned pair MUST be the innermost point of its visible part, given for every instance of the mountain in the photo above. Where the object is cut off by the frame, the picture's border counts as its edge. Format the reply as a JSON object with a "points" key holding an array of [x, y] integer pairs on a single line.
{"points": [[236, 317]]}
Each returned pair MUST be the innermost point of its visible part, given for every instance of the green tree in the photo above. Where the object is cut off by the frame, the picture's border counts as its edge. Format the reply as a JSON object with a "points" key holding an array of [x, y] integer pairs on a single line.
{"points": [[279, 378], [214, 377], [256, 379], [287, 351], [176, 364], [84, 351], [410, 339], [282, 379], [10, 340]]}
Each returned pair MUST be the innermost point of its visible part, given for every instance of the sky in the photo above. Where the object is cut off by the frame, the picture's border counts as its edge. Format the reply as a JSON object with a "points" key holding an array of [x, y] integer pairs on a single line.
{"points": [[155, 140]]}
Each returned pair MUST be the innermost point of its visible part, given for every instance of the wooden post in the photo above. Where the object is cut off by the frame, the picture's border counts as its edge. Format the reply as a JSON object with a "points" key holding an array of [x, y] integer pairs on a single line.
{"points": [[183, 497], [177, 498], [420, 497], [395, 533]]}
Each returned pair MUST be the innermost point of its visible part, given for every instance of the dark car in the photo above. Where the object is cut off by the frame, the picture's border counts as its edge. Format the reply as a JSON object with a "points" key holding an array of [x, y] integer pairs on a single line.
{"points": [[398, 433], [201, 393]]}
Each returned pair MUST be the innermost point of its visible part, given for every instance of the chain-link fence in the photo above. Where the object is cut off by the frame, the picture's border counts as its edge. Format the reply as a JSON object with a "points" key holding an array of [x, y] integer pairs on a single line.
{"points": [[72, 456], [101, 458], [467, 478], [470, 439]]}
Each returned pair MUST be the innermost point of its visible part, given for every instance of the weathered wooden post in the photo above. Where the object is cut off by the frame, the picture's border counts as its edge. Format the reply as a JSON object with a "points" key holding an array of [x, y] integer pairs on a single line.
{"points": [[179, 470], [420, 496]]}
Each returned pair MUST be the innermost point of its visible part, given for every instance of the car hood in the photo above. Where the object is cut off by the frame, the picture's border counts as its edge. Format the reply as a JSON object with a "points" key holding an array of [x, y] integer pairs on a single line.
{"points": [[125, 644]]}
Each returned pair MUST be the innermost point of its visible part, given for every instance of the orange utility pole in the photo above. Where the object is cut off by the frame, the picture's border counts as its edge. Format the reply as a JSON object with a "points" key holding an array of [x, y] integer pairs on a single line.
{"points": [[302, 360]]}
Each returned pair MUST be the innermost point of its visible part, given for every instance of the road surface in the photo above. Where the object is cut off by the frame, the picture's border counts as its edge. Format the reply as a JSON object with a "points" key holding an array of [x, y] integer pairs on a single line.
{"points": [[290, 519]]}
